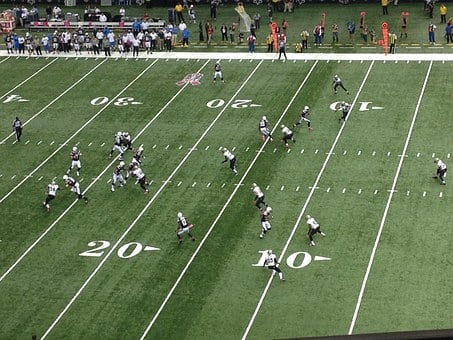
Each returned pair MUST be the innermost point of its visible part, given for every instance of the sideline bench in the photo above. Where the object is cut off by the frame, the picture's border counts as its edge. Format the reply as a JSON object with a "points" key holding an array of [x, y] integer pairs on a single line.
{"points": [[55, 25]]}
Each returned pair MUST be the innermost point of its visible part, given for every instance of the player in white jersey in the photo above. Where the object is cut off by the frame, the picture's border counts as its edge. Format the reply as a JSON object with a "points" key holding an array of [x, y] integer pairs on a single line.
{"points": [[441, 170], [287, 135], [141, 178], [313, 228], [118, 175], [337, 82], [117, 146], [259, 196], [51, 192], [265, 216], [75, 160], [75, 187], [184, 227], [138, 155], [231, 158], [263, 128], [218, 73], [345, 108], [304, 118], [272, 263]]}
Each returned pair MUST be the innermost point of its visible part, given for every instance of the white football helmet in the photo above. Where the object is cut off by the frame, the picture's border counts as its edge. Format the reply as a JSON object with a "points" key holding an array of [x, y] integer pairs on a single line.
{"points": [[308, 217], [53, 182], [269, 252], [179, 214], [140, 148], [268, 209], [336, 76], [306, 107], [342, 103], [74, 148], [224, 149], [283, 126], [264, 118], [122, 163], [118, 133], [65, 177], [436, 160]]}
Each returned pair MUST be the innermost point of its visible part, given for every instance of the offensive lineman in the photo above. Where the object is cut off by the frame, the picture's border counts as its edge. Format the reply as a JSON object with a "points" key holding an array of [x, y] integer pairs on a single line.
{"points": [[265, 216], [303, 118], [183, 227], [263, 128], [259, 196], [75, 187], [272, 263], [230, 157], [441, 170], [218, 73], [52, 189], [118, 175], [313, 228], [287, 135], [75, 160]]}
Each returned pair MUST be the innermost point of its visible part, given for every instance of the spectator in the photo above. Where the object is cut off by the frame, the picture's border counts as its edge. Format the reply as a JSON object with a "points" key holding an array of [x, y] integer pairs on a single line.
{"points": [[251, 41], [256, 20], [179, 9], [448, 33], [443, 13], [213, 9], [185, 37], [351, 29], [304, 39], [431, 33], [385, 4]]}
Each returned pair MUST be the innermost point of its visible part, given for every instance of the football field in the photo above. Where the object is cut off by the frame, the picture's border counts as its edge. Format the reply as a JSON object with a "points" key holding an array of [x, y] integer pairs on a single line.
{"points": [[112, 268]]}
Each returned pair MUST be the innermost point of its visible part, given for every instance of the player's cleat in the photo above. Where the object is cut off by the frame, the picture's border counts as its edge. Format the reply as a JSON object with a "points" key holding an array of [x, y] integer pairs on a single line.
{"points": [[272, 140], [443, 183], [146, 192], [193, 239], [78, 173], [312, 243], [323, 234], [121, 184], [85, 199], [310, 129], [347, 92], [283, 280], [48, 209], [261, 236], [434, 177], [335, 92], [113, 189]]}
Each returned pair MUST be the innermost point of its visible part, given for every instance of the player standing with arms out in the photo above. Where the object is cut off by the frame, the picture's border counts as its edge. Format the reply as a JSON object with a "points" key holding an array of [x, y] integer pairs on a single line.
{"points": [[272, 263], [263, 128], [259, 196], [231, 158], [345, 108], [51, 192], [337, 82], [17, 128], [303, 118], [287, 135], [75, 161], [141, 178], [118, 175], [313, 229], [265, 216], [75, 187], [441, 170], [218, 73], [183, 227]]}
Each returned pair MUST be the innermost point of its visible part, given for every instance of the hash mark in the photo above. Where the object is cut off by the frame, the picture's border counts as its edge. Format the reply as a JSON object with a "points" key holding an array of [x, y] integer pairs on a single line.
{"points": [[247, 149], [374, 153], [154, 146], [267, 187], [424, 193], [360, 191], [206, 148], [359, 153], [302, 151], [328, 189], [102, 144], [316, 151], [179, 184], [223, 185], [440, 194], [52, 142], [388, 154], [27, 142], [418, 154], [234, 148], [408, 192], [39, 142], [208, 185], [180, 147], [168, 145], [344, 190], [282, 188], [375, 191], [297, 188], [90, 143], [345, 152]]}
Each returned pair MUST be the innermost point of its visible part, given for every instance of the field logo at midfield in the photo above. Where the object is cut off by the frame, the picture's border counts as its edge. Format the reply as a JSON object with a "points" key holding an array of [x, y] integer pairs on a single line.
{"points": [[193, 78]]}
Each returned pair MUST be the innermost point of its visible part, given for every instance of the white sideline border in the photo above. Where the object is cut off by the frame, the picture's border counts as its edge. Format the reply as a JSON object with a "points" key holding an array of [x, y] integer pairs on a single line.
{"points": [[256, 56]]}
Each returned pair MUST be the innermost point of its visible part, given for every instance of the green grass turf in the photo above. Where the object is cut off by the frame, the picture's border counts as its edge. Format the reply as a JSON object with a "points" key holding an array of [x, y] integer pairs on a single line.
{"points": [[217, 295], [306, 16]]}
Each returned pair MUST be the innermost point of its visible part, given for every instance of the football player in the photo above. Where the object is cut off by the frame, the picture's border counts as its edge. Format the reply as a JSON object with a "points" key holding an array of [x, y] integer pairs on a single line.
{"points": [[231, 158], [441, 170], [75, 187], [272, 263], [118, 175], [304, 118], [263, 128], [117, 146], [265, 216], [183, 227], [141, 178], [337, 82], [75, 160], [126, 140], [218, 72], [51, 192], [287, 135], [138, 155], [259, 196], [344, 107], [313, 229]]}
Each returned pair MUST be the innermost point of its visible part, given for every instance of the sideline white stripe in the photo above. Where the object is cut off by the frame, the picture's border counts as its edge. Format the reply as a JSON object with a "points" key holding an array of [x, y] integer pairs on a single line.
{"points": [[162, 187], [384, 217], [211, 228], [313, 188], [75, 201]]}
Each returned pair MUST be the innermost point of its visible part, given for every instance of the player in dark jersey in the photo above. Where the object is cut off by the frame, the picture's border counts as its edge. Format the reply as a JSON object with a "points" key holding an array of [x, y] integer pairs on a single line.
{"points": [[345, 108], [304, 118], [138, 155], [184, 226], [263, 128], [218, 72], [17, 128], [337, 82], [9, 43], [75, 160], [75, 187]]}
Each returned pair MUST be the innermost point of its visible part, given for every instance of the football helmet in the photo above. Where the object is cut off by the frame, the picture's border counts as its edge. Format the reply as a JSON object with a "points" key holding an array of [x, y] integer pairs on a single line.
{"points": [[306, 107], [122, 163], [308, 217], [264, 118], [269, 252], [179, 214], [283, 126], [74, 148], [224, 149], [65, 177]]}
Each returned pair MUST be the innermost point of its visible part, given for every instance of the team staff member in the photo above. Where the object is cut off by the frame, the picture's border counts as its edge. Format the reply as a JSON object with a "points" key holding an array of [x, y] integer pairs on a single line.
{"points": [[272, 263], [441, 170], [231, 158], [52, 189], [17, 128]]}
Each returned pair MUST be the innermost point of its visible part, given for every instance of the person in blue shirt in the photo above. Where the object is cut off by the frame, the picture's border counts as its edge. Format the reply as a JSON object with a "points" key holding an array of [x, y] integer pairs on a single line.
{"points": [[185, 37]]}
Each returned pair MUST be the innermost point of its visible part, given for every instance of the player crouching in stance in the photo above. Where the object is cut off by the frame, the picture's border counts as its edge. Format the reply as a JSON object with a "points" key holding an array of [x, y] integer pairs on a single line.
{"points": [[183, 227], [141, 178], [313, 228], [272, 263], [51, 192], [118, 175], [75, 187], [287, 135], [75, 160], [304, 118], [263, 128], [231, 158], [441, 170], [265, 216]]}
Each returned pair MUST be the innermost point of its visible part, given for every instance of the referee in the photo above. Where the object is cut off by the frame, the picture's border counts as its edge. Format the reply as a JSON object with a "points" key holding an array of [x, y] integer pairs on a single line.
{"points": [[17, 128]]}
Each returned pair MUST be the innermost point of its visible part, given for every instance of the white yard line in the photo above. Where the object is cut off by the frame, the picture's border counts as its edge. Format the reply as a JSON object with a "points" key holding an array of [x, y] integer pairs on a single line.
{"points": [[384, 217], [53, 101], [211, 228], [312, 191], [92, 183], [162, 187]]}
